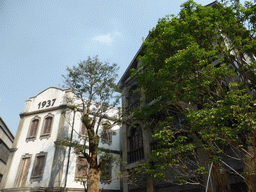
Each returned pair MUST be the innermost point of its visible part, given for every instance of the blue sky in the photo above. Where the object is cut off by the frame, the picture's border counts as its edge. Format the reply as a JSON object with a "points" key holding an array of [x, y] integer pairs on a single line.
{"points": [[39, 38]]}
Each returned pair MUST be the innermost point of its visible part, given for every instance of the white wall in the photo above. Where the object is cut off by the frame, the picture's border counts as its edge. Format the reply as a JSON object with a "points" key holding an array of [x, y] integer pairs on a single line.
{"points": [[34, 104]]}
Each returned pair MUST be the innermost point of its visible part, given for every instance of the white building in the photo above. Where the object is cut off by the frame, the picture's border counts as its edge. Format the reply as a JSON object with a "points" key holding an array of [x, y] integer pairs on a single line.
{"points": [[36, 164]]}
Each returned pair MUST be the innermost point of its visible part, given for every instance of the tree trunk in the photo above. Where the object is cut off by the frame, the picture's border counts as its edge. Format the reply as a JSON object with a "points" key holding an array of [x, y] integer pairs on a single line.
{"points": [[249, 170], [220, 178], [93, 179]]}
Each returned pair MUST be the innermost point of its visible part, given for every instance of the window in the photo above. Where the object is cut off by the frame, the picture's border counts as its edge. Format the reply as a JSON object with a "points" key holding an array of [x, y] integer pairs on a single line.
{"points": [[33, 129], [133, 98], [106, 136], [38, 169], [47, 127], [1, 177], [83, 131], [135, 144], [105, 169], [4, 152], [23, 170], [81, 168]]}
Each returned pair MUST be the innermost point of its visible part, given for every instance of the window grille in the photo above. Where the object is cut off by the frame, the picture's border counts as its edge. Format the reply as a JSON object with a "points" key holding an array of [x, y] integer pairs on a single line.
{"points": [[135, 142]]}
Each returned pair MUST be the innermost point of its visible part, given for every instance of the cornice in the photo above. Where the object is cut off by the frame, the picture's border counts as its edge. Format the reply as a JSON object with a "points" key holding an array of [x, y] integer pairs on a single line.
{"points": [[63, 106]]}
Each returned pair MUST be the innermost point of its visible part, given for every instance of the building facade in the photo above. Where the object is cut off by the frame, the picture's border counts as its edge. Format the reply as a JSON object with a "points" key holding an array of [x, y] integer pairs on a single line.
{"points": [[137, 141], [6, 141], [37, 164]]}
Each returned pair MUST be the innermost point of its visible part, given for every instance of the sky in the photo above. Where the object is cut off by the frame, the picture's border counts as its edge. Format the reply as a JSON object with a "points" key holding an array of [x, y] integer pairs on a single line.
{"points": [[40, 38]]}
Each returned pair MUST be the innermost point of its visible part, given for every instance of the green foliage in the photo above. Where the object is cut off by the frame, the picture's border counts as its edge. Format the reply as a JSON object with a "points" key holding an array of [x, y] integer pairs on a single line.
{"points": [[200, 65], [94, 95], [72, 107]]}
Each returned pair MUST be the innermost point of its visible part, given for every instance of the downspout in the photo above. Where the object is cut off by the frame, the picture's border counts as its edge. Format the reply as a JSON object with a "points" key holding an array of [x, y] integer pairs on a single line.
{"points": [[69, 149]]}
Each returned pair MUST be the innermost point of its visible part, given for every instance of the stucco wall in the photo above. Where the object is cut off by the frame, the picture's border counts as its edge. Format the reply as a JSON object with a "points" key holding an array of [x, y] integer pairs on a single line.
{"points": [[51, 101]]}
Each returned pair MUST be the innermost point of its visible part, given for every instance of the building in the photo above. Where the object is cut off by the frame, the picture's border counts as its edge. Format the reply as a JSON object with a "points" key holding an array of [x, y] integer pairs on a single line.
{"points": [[6, 141], [138, 142], [36, 164]]}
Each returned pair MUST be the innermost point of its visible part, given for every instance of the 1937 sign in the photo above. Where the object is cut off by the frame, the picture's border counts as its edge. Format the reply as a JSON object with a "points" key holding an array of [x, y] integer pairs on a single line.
{"points": [[47, 103]]}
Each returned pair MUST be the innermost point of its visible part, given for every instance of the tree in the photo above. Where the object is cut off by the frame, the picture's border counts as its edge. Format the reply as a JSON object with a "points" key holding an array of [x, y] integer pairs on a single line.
{"points": [[93, 84], [200, 65]]}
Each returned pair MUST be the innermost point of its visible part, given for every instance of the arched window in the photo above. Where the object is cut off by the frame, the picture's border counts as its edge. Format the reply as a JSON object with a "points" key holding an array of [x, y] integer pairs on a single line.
{"points": [[32, 132], [47, 126], [135, 144]]}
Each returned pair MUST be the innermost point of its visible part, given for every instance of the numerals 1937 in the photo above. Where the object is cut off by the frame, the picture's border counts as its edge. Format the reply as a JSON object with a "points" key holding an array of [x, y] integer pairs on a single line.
{"points": [[47, 103]]}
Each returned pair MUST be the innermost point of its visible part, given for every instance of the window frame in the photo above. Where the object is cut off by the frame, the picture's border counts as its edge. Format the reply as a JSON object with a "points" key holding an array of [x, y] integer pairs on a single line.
{"points": [[135, 150], [103, 163], [47, 135], [78, 177], [34, 177], [81, 135], [19, 173], [33, 137], [106, 136], [1, 177], [8, 149]]}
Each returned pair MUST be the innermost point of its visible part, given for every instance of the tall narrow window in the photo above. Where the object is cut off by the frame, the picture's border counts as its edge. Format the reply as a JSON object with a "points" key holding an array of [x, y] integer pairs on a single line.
{"points": [[81, 168], [47, 126], [4, 152], [39, 164], [134, 98], [33, 129], [83, 131], [1, 177], [135, 144], [23, 171], [106, 136], [105, 169]]}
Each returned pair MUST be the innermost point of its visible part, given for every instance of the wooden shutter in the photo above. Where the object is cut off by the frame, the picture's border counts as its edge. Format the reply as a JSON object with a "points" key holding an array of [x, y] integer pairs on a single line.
{"points": [[47, 125], [33, 128], [23, 171], [38, 169]]}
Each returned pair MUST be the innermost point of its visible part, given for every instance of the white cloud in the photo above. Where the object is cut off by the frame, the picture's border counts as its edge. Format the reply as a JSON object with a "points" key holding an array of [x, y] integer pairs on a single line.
{"points": [[106, 39]]}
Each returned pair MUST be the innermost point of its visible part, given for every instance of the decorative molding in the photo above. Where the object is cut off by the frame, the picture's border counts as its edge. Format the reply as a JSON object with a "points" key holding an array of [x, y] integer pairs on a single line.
{"points": [[63, 106], [13, 150]]}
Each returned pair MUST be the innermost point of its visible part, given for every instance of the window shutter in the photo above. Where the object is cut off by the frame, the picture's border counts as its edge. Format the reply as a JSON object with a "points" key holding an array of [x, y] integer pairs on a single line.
{"points": [[34, 127], [23, 172], [47, 126], [40, 165]]}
